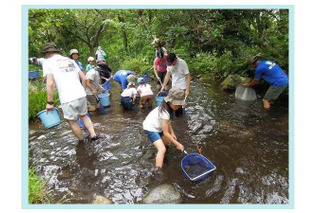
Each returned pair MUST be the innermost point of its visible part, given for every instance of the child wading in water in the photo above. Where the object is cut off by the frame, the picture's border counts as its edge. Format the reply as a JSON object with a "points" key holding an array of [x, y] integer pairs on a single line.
{"points": [[157, 125], [145, 92], [128, 96]]}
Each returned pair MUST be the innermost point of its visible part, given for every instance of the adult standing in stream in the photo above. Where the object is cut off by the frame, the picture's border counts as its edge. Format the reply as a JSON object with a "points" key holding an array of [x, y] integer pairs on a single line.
{"points": [[273, 74], [65, 74], [178, 69]]}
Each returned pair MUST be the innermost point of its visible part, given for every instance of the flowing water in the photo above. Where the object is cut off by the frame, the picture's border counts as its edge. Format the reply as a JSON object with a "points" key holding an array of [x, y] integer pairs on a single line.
{"points": [[247, 144]]}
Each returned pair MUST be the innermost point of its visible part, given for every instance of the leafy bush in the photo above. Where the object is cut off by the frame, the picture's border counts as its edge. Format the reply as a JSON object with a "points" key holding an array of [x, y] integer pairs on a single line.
{"points": [[38, 98]]}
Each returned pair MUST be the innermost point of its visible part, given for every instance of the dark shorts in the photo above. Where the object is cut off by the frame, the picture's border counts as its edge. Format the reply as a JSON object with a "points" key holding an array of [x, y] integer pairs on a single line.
{"points": [[161, 75], [126, 103], [153, 136], [273, 93]]}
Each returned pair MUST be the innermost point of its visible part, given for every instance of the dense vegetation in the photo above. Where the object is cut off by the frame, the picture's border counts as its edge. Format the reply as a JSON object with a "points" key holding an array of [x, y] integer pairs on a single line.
{"points": [[213, 42]]}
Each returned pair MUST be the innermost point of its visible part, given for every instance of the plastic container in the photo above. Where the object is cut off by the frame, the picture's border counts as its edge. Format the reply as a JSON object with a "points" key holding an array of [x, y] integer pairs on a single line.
{"points": [[50, 118], [159, 100], [196, 167], [104, 99], [34, 74]]}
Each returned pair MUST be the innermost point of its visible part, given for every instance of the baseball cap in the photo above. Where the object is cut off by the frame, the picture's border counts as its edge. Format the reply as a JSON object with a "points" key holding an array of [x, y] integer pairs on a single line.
{"points": [[170, 59], [175, 96]]}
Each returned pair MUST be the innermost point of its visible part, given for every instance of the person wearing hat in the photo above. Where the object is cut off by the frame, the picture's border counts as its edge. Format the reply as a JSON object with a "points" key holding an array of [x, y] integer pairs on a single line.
{"points": [[90, 64], [145, 92], [123, 77], [157, 125], [93, 86], [64, 73], [273, 74], [128, 96], [74, 55]]}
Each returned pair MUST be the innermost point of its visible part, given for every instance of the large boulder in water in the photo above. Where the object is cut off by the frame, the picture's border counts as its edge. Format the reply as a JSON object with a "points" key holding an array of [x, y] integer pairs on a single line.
{"points": [[101, 200], [165, 193], [245, 93], [232, 81]]}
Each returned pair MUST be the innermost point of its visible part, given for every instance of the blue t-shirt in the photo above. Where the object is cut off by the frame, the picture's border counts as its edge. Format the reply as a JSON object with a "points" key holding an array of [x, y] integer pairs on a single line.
{"points": [[121, 77], [272, 73]]}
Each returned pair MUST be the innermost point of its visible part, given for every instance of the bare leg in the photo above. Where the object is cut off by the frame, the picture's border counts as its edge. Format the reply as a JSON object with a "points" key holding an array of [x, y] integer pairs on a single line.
{"points": [[76, 129], [161, 152], [266, 104], [88, 124]]}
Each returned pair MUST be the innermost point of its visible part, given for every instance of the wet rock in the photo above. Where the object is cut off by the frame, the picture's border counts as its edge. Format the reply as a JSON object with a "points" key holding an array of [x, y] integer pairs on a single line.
{"points": [[101, 200], [165, 193], [232, 81]]}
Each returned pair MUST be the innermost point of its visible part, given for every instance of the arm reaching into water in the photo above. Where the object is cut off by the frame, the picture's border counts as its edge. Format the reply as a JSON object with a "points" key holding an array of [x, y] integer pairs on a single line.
{"points": [[166, 132]]}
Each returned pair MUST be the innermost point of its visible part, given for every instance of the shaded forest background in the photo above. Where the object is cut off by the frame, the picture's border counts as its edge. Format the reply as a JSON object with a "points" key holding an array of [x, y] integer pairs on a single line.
{"points": [[214, 42]]}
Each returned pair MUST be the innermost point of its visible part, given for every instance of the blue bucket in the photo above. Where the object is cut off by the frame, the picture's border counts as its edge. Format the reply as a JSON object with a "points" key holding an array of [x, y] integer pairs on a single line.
{"points": [[159, 100], [104, 99], [49, 119], [196, 167], [34, 74]]}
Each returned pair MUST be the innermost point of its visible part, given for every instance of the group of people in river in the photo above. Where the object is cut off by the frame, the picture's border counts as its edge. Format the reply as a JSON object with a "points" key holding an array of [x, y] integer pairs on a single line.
{"points": [[78, 90]]}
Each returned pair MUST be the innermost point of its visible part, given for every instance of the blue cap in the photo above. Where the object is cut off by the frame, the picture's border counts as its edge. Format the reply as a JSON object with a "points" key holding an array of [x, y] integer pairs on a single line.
{"points": [[140, 80]]}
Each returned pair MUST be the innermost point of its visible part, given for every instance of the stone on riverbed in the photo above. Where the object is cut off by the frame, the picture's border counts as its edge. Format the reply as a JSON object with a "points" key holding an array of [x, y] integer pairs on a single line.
{"points": [[232, 81], [165, 193], [101, 200]]}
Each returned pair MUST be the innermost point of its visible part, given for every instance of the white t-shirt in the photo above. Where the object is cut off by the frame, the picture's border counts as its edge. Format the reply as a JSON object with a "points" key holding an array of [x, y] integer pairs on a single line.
{"points": [[145, 90], [179, 72], [66, 77], [153, 122], [129, 92], [93, 75]]}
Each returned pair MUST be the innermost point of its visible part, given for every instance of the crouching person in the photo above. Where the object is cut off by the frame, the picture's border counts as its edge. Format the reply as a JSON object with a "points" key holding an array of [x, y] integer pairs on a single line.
{"points": [[145, 92], [93, 86], [157, 125], [128, 96]]}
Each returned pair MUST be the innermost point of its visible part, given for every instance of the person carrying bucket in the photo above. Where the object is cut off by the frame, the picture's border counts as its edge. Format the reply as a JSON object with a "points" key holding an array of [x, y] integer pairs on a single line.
{"points": [[64, 73], [128, 96], [93, 86], [145, 92], [157, 125], [273, 74], [123, 77]]}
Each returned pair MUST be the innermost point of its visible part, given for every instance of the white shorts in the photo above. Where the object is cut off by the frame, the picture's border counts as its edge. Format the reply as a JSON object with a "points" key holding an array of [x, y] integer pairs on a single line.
{"points": [[71, 110]]}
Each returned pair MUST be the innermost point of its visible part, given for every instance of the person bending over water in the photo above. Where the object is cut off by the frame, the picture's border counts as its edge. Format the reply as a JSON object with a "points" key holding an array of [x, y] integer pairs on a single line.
{"points": [[157, 125]]}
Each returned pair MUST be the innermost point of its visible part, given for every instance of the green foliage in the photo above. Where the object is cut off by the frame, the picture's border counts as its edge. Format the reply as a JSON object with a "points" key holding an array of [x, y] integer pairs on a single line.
{"points": [[210, 40], [38, 98], [37, 193]]}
